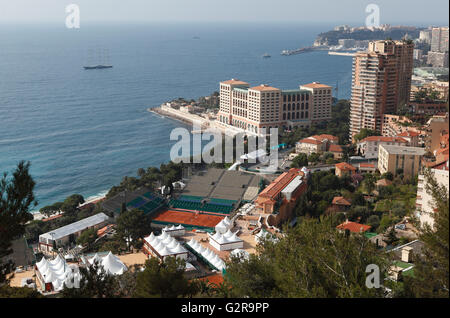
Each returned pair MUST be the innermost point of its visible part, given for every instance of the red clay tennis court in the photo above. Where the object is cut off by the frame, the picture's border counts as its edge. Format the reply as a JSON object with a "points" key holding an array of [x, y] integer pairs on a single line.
{"points": [[188, 218]]}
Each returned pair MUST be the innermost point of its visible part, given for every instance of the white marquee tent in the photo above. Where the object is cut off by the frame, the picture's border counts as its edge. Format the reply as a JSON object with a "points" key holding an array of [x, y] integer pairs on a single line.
{"points": [[55, 272], [224, 225], [226, 241], [165, 245], [110, 263], [175, 230], [207, 254]]}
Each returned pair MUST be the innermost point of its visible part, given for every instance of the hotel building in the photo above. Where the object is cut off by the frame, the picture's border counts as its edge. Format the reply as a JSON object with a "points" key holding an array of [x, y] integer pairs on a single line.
{"points": [[381, 83], [263, 106]]}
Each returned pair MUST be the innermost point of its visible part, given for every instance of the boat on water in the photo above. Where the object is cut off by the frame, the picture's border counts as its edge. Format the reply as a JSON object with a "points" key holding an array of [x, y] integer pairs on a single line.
{"points": [[102, 63], [97, 67], [266, 55]]}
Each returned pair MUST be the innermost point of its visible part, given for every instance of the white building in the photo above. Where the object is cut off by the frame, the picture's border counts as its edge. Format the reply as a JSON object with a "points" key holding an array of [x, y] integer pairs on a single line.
{"points": [[63, 234], [225, 242], [368, 147]]}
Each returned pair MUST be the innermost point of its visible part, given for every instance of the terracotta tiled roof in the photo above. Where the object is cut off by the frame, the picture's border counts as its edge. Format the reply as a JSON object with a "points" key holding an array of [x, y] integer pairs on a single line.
{"points": [[353, 227], [263, 88], [345, 166], [279, 184], [325, 136], [366, 165], [234, 82], [309, 140], [441, 164], [408, 133], [341, 201], [335, 148], [316, 85], [384, 139]]}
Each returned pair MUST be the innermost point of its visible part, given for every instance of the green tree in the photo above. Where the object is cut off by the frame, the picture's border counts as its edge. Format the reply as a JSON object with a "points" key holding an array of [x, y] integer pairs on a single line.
{"points": [[95, 283], [48, 210], [132, 226], [369, 182], [87, 238], [374, 222], [19, 292], [300, 161], [312, 260], [431, 273], [71, 203], [314, 157], [16, 197], [163, 279], [364, 133]]}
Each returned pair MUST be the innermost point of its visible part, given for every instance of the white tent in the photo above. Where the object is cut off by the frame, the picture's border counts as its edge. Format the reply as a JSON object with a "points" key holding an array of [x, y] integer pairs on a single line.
{"points": [[56, 272], [113, 265], [225, 242], [223, 225], [207, 254], [165, 245]]}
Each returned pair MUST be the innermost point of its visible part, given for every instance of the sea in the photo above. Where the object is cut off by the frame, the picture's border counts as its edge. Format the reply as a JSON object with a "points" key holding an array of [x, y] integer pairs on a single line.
{"points": [[84, 130]]}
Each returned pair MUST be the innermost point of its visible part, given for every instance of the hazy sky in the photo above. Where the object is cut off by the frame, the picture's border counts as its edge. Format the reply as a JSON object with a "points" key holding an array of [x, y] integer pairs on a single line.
{"points": [[418, 12]]}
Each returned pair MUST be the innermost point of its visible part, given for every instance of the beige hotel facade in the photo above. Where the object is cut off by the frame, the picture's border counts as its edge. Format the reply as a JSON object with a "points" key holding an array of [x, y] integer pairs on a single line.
{"points": [[254, 108]]}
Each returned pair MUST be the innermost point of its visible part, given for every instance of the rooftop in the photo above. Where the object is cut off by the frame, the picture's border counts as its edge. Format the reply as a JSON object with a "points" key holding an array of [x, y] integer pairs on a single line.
{"points": [[325, 137], [345, 166], [310, 140], [366, 165], [384, 139], [264, 87], [341, 201], [403, 150], [279, 184], [353, 227], [408, 133], [75, 227], [335, 148], [234, 82], [316, 85]]}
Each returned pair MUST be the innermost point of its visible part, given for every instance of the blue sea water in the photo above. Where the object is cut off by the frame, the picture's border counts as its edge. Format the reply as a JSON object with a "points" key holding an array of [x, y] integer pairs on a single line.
{"points": [[84, 130]]}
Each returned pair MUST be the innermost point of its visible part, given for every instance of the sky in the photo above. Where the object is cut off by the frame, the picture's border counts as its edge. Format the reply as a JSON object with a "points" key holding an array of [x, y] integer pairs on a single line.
{"points": [[352, 12]]}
